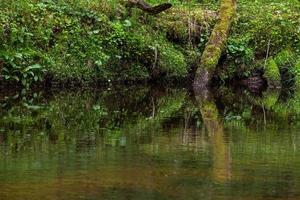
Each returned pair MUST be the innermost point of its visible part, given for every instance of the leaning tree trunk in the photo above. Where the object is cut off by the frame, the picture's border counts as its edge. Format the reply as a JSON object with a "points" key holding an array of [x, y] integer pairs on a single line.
{"points": [[215, 45]]}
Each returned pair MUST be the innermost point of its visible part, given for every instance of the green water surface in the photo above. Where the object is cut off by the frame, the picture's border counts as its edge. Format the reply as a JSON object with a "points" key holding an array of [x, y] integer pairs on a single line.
{"points": [[141, 143]]}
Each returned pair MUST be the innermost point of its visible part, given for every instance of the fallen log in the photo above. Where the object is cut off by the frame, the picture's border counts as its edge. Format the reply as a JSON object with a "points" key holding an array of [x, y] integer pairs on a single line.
{"points": [[153, 10]]}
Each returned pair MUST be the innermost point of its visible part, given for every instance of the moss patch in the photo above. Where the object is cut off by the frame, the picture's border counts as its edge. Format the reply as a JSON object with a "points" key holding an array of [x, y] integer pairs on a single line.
{"points": [[272, 73]]}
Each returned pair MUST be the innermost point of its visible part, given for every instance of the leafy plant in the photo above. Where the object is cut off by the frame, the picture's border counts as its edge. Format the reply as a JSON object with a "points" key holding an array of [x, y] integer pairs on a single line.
{"points": [[17, 67]]}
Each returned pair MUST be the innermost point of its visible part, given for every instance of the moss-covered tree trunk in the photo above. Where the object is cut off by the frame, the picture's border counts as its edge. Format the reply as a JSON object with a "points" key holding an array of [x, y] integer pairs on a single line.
{"points": [[215, 44]]}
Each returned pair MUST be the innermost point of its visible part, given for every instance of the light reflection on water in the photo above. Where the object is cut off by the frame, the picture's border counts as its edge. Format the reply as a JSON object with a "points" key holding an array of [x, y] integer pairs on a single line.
{"points": [[149, 143]]}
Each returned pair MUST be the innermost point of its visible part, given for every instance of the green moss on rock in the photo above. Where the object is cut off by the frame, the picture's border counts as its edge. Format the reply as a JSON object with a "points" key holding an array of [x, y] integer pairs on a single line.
{"points": [[272, 73]]}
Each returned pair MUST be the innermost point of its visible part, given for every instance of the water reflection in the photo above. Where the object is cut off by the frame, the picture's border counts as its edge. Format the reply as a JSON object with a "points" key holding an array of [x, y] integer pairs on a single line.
{"points": [[221, 169], [149, 143]]}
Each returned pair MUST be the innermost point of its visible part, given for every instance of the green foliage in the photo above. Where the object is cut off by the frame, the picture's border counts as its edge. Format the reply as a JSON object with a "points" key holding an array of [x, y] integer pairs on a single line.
{"points": [[239, 51], [286, 61], [264, 29], [19, 67], [88, 40], [297, 72], [276, 23], [272, 72], [75, 41], [54, 36], [172, 61]]}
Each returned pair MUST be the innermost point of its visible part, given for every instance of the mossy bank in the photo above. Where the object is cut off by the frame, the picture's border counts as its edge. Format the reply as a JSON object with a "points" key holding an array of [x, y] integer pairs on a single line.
{"points": [[89, 41]]}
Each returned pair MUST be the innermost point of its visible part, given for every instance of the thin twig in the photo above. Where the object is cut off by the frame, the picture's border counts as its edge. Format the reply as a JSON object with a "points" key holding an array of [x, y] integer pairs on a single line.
{"points": [[267, 55]]}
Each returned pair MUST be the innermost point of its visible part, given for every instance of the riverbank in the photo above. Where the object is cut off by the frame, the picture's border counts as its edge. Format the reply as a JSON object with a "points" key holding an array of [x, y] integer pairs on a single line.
{"points": [[86, 41]]}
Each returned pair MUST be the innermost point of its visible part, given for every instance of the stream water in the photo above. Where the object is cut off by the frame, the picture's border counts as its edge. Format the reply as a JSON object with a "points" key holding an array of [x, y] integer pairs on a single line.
{"points": [[142, 142]]}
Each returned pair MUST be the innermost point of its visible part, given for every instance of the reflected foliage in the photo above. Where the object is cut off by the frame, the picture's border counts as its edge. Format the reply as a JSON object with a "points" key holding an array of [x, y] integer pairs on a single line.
{"points": [[147, 142]]}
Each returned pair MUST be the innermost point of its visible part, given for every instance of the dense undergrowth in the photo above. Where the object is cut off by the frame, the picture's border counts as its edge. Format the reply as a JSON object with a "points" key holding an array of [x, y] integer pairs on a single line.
{"points": [[102, 40], [266, 37]]}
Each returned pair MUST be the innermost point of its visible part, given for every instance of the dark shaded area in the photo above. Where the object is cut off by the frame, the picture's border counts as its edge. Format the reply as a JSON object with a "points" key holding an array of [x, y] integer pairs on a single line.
{"points": [[153, 10]]}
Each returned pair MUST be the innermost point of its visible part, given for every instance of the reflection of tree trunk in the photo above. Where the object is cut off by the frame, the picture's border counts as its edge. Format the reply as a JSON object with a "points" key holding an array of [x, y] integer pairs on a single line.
{"points": [[221, 153], [153, 107], [190, 133], [186, 131], [1, 138]]}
